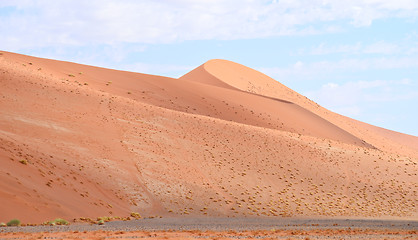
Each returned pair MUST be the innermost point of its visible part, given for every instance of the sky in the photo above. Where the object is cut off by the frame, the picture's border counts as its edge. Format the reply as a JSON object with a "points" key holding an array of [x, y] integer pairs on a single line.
{"points": [[356, 58]]}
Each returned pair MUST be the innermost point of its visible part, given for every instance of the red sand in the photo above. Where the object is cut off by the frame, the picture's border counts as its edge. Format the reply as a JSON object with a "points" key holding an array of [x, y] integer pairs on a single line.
{"points": [[258, 234], [223, 140]]}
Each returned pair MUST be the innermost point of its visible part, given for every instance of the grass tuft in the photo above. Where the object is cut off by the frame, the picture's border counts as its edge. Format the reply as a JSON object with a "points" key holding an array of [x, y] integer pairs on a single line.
{"points": [[13, 222], [60, 221]]}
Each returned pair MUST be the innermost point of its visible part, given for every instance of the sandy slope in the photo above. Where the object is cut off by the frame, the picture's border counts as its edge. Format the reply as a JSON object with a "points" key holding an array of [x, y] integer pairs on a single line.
{"points": [[223, 140]]}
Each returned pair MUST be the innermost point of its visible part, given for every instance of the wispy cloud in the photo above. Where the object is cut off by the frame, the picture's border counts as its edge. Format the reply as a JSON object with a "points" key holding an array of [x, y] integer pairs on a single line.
{"points": [[357, 97], [315, 70], [324, 49], [379, 47], [47, 23], [355, 92], [382, 47]]}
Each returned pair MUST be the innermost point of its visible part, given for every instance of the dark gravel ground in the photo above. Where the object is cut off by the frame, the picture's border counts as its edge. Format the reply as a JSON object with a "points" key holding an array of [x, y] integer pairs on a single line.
{"points": [[222, 224]]}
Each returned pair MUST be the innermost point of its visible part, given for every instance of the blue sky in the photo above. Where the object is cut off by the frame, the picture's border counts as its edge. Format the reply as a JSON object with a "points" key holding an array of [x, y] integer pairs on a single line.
{"points": [[357, 58]]}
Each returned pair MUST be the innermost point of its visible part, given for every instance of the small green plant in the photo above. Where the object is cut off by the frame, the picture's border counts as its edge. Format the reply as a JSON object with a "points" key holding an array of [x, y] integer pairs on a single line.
{"points": [[101, 222], [13, 222], [60, 221], [2, 224]]}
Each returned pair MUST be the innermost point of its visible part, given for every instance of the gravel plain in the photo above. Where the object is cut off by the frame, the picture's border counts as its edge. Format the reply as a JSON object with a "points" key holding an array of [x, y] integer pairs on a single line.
{"points": [[225, 224]]}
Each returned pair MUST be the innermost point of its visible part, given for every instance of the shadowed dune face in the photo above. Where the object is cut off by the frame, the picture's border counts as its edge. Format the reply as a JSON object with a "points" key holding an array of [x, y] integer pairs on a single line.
{"points": [[81, 141]]}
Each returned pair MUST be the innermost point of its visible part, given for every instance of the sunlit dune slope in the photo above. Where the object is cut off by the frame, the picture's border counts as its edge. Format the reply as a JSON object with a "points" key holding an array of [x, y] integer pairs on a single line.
{"points": [[82, 141]]}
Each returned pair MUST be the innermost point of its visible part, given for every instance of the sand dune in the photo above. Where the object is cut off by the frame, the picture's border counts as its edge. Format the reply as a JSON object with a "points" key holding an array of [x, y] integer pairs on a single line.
{"points": [[233, 75], [223, 140]]}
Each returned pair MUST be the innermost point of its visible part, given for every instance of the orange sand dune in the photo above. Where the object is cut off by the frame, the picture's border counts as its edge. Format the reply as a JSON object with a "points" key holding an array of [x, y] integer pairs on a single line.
{"points": [[233, 75], [223, 140]]}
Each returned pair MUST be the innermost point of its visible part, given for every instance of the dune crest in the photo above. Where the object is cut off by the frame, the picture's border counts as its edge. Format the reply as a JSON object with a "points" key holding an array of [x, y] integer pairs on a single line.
{"points": [[226, 73]]}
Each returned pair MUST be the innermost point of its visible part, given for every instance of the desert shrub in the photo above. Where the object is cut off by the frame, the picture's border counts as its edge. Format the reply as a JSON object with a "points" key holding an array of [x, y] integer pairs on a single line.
{"points": [[105, 219], [60, 221], [101, 222], [14, 222], [135, 215], [2, 224]]}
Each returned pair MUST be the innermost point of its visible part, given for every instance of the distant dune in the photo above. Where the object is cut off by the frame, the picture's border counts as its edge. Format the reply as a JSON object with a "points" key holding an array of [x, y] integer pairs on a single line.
{"points": [[222, 140]]}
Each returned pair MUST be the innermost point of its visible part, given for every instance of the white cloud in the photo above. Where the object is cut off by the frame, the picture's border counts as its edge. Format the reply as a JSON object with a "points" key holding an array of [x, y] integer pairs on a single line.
{"points": [[379, 47], [323, 49], [382, 47], [317, 70], [51, 23], [354, 98], [375, 102]]}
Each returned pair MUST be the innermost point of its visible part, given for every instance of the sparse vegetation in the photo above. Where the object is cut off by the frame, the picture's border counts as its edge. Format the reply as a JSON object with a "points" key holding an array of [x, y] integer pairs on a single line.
{"points": [[13, 222], [2, 224], [106, 219], [71, 75], [58, 221]]}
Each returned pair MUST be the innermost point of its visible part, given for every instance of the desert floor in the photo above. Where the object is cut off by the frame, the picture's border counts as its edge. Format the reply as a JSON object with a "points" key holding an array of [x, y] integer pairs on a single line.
{"points": [[223, 228]]}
